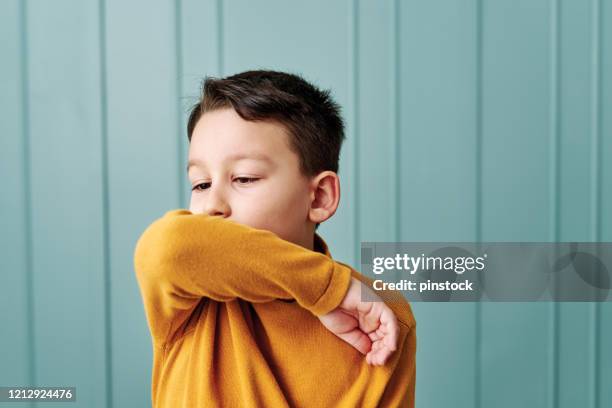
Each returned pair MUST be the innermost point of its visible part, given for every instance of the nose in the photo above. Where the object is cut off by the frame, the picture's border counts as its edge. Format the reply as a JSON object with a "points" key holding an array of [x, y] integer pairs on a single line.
{"points": [[216, 202]]}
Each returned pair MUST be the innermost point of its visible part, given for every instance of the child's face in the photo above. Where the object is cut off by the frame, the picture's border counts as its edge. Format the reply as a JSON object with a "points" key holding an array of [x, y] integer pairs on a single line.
{"points": [[246, 172]]}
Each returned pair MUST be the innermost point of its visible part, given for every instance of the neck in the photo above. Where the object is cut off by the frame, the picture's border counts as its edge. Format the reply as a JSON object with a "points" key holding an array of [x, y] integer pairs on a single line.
{"points": [[306, 239]]}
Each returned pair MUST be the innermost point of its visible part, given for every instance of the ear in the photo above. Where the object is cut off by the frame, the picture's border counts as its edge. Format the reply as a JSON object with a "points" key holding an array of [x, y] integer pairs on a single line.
{"points": [[324, 196]]}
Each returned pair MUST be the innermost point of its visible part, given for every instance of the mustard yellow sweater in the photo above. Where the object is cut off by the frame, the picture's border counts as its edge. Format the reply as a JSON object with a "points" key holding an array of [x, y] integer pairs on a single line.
{"points": [[233, 311]]}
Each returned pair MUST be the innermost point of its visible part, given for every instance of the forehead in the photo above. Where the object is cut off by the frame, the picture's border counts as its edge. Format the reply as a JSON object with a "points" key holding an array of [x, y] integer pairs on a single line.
{"points": [[223, 136]]}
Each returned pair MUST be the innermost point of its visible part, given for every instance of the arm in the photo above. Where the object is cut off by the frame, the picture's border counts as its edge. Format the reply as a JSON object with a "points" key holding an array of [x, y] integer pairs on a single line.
{"points": [[183, 257], [370, 326]]}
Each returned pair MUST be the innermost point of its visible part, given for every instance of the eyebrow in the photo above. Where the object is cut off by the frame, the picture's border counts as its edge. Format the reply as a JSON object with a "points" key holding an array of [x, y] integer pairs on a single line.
{"points": [[234, 157]]}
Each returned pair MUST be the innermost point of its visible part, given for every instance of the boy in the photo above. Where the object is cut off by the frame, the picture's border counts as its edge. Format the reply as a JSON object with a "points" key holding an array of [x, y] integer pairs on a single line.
{"points": [[245, 305]]}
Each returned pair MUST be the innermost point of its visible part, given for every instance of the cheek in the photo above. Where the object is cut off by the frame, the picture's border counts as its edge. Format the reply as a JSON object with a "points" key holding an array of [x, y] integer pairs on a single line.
{"points": [[281, 211], [291, 208], [297, 204]]}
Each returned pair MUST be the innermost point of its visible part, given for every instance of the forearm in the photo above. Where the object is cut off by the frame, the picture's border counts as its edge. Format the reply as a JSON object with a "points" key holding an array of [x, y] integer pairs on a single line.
{"points": [[192, 256]]}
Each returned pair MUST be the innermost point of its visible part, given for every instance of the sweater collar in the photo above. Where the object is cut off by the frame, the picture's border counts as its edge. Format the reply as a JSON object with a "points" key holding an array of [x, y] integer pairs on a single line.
{"points": [[320, 245]]}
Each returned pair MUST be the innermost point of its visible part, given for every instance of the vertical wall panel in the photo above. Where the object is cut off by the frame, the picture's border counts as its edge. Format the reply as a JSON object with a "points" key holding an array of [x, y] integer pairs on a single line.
{"points": [[515, 339], [66, 193], [199, 57], [604, 352], [143, 169], [375, 113], [573, 118], [284, 37], [437, 177], [16, 351]]}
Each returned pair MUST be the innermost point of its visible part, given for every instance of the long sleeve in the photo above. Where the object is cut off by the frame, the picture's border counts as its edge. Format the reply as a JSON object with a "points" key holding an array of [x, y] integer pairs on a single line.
{"points": [[400, 391], [183, 257]]}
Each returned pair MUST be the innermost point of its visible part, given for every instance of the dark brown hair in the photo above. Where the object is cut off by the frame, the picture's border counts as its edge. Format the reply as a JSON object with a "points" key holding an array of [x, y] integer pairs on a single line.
{"points": [[312, 118]]}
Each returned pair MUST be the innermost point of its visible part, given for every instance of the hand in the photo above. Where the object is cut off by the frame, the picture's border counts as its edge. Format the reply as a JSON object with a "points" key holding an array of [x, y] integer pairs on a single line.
{"points": [[370, 327]]}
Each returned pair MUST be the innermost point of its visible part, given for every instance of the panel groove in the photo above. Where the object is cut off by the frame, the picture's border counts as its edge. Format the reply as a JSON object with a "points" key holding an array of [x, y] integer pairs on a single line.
{"points": [[478, 201], [555, 74], [28, 202], [395, 92], [596, 189], [179, 114], [354, 88], [106, 204]]}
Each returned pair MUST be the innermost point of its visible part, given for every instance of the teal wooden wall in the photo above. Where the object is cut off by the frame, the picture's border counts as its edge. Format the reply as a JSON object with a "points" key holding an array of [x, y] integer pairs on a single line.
{"points": [[467, 120]]}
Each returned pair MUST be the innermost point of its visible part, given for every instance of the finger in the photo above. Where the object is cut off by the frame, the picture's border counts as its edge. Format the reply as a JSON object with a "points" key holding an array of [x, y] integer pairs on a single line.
{"points": [[369, 316], [339, 322], [357, 339], [372, 360], [379, 358], [380, 332], [390, 329], [382, 359], [385, 336], [375, 335], [375, 358], [379, 353]]}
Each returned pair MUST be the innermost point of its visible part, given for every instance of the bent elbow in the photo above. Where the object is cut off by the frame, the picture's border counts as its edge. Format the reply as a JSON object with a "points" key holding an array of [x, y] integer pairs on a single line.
{"points": [[156, 247]]}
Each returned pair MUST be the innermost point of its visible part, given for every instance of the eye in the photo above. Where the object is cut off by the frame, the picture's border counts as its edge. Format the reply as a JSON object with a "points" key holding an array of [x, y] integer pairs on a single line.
{"points": [[246, 180], [203, 185]]}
